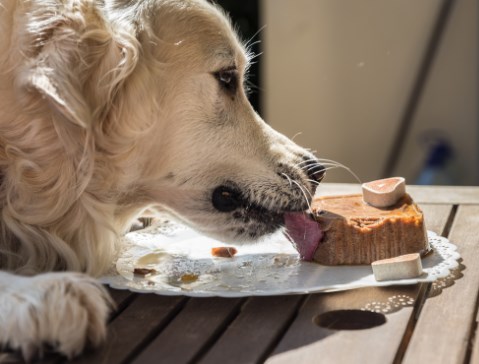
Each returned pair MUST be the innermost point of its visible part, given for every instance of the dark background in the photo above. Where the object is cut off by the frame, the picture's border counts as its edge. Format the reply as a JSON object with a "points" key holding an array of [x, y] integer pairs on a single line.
{"points": [[245, 17]]}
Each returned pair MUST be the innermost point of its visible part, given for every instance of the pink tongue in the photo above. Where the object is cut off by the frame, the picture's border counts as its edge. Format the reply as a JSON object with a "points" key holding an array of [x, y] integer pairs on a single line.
{"points": [[304, 233]]}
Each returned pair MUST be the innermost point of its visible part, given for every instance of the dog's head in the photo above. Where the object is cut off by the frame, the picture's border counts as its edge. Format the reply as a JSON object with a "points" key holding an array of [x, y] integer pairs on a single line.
{"points": [[210, 158], [149, 101]]}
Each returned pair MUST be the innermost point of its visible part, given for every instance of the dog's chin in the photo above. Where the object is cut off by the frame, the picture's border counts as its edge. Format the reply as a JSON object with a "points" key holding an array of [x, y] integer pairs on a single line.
{"points": [[246, 225], [251, 223], [234, 232]]}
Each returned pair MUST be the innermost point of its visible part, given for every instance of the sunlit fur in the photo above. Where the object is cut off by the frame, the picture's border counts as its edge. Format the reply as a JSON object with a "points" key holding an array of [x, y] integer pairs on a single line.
{"points": [[110, 108]]}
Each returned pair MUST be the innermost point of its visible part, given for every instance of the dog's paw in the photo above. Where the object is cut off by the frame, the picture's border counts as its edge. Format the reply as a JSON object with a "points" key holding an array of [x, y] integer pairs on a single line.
{"points": [[63, 312]]}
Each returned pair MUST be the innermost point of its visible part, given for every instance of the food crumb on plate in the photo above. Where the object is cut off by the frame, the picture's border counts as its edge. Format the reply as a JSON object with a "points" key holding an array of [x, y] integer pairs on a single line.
{"points": [[188, 278], [143, 271], [223, 252]]}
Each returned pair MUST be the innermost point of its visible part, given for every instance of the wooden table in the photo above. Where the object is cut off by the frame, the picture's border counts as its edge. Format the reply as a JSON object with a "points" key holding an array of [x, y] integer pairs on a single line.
{"points": [[425, 323]]}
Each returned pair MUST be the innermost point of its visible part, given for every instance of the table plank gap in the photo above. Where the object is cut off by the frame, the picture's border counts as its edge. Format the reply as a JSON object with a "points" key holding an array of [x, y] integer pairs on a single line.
{"points": [[193, 329], [470, 358], [424, 289], [284, 330], [134, 328], [474, 352], [265, 320], [452, 216], [219, 331], [438, 217], [454, 310], [122, 299], [119, 295], [164, 324]]}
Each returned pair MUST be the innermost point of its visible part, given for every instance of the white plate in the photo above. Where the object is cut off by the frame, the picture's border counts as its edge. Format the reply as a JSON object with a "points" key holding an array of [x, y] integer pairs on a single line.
{"points": [[184, 266]]}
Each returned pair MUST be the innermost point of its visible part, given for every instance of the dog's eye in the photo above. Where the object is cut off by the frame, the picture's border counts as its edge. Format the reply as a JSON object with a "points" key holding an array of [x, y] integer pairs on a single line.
{"points": [[228, 79]]}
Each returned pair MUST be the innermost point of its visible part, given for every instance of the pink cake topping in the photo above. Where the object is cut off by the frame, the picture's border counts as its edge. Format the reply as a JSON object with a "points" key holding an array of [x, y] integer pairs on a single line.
{"points": [[384, 192], [304, 233], [385, 185]]}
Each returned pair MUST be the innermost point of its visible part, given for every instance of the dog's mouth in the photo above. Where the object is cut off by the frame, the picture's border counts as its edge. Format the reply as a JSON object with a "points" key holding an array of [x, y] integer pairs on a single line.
{"points": [[244, 208], [253, 218]]}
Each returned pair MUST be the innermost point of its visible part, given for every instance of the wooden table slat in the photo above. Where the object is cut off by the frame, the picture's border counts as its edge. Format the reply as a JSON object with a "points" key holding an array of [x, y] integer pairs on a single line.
{"points": [[145, 316], [191, 331], [261, 321], [436, 216], [443, 330]]}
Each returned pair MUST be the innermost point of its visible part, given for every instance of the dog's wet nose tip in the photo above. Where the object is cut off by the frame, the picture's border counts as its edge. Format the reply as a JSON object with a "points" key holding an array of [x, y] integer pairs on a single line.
{"points": [[226, 199], [314, 170]]}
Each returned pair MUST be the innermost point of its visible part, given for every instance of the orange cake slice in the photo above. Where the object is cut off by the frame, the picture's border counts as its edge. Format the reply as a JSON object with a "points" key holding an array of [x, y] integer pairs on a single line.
{"points": [[354, 232]]}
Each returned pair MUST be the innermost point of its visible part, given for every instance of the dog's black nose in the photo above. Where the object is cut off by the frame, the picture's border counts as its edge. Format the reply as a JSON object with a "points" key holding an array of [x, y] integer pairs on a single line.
{"points": [[226, 199], [314, 170]]}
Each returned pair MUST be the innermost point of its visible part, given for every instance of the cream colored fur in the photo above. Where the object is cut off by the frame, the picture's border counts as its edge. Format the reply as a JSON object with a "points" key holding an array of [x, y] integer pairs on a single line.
{"points": [[106, 109]]}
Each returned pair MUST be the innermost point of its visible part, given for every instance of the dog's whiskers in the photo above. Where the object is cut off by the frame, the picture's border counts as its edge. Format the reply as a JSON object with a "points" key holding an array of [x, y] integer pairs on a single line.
{"points": [[249, 43], [252, 44], [305, 161], [251, 86], [313, 182], [327, 164], [296, 135], [286, 233], [303, 190], [288, 178], [254, 56]]}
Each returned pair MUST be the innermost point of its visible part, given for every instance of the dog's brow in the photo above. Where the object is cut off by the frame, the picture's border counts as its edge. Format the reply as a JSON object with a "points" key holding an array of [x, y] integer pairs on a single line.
{"points": [[228, 67], [226, 56], [225, 53]]}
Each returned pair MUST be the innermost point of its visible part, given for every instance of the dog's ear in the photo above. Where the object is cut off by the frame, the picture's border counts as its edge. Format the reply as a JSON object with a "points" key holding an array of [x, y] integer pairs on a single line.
{"points": [[57, 88], [78, 62]]}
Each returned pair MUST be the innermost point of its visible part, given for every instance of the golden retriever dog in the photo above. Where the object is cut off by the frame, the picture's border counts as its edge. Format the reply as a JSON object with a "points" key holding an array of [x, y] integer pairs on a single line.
{"points": [[108, 108]]}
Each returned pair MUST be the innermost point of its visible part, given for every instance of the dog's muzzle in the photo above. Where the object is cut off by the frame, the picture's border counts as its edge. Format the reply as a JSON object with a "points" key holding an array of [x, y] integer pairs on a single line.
{"points": [[227, 198]]}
